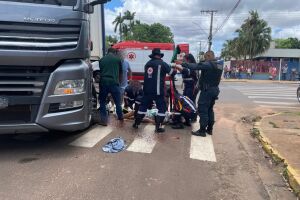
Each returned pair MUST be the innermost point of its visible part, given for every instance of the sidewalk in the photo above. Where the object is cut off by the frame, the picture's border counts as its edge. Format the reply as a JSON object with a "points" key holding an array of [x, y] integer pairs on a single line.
{"points": [[280, 136]]}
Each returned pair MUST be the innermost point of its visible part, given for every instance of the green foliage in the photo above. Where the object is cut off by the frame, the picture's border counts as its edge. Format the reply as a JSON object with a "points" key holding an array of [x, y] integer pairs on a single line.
{"points": [[110, 40], [289, 43], [254, 38], [124, 24], [151, 33], [131, 29]]}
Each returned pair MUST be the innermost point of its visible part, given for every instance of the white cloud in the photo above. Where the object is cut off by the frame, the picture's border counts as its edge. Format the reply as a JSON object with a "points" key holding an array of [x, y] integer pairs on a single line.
{"points": [[189, 25]]}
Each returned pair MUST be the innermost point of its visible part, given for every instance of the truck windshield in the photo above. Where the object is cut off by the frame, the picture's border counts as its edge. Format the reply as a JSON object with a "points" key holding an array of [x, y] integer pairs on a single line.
{"points": [[51, 2]]}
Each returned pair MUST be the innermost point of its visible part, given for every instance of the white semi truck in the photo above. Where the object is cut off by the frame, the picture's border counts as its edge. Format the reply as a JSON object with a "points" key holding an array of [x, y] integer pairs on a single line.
{"points": [[45, 74]]}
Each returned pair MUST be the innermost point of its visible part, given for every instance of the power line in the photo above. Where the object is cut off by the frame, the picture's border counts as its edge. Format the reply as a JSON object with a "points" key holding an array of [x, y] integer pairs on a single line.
{"points": [[210, 37], [228, 16]]}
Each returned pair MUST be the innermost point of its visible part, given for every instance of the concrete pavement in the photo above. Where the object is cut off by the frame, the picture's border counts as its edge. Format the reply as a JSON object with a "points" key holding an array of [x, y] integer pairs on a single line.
{"points": [[280, 135]]}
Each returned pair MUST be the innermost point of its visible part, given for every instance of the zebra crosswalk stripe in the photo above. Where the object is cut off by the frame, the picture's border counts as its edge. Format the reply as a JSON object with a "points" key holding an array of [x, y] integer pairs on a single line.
{"points": [[144, 142], [202, 148], [92, 137]]}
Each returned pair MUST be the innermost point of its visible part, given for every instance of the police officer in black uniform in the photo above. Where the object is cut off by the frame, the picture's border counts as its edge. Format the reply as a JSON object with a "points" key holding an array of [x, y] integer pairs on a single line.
{"points": [[154, 89], [211, 73], [190, 79]]}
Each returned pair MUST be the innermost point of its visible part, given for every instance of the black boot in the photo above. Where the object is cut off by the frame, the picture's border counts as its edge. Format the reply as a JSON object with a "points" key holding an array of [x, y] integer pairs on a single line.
{"points": [[159, 129], [135, 125], [187, 123], [158, 123], [178, 126], [201, 132], [209, 130], [137, 122]]}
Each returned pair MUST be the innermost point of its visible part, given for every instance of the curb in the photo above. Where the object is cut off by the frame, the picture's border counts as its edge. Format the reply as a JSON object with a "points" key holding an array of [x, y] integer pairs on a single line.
{"points": [[289, 173]]}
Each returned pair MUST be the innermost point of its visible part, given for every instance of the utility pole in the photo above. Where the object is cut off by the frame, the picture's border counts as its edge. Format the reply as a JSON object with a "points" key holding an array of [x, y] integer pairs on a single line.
{"points": [[200, 51], [211, 12]]}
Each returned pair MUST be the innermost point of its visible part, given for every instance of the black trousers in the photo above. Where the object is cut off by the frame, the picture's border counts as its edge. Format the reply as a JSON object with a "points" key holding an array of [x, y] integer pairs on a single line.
{"points": [[206, 104], [147, 101]]}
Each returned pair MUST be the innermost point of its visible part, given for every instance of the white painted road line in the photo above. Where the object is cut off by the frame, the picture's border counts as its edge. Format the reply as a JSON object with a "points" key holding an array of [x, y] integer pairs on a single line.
{"points": [[202, 148], [92, 137], [265, 97], [265, 89], [274, 103], [271, 91], [278, 92], [144, 142], [273, 95], [270, 106]]}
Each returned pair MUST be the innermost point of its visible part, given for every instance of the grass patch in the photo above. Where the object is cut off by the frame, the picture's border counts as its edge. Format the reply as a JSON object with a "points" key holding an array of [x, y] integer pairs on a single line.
{"points": [[257, 119], [274, 125], [255, 132]]}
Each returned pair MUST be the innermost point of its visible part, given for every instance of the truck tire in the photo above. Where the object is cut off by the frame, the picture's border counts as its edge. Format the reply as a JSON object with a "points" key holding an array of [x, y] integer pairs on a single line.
{"points": [[96, 75], [94, 115]]}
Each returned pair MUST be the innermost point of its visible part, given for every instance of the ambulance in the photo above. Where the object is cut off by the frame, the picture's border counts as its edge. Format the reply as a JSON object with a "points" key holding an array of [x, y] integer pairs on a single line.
{"points": [[137, 53]]}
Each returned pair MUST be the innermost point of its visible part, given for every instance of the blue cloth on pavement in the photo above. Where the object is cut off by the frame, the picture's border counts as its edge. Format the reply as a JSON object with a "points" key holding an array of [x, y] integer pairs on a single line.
{"points": [[114, 145]]}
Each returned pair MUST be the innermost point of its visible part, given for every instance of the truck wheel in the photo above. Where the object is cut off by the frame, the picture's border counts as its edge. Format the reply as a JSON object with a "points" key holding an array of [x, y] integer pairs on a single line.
{"points": [[298, 94], [94, 114], [97, 76]]}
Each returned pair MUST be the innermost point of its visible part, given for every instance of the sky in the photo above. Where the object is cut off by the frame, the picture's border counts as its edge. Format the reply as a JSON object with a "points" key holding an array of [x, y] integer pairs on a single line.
{"points": [[189, 25]]}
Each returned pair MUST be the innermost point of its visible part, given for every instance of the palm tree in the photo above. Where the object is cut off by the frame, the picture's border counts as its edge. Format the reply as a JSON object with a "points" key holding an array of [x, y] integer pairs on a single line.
{"points": [[128, 16], [231, 49], [119, 24], [255, 36]]}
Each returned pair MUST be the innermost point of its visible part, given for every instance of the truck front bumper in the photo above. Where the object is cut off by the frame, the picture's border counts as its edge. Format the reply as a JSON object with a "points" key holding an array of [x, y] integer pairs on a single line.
{"points": [[46, 119], [22, 128]]}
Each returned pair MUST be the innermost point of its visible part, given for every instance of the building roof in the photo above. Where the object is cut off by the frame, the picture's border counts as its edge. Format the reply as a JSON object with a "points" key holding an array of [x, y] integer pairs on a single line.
{"points": [[281, 53]]}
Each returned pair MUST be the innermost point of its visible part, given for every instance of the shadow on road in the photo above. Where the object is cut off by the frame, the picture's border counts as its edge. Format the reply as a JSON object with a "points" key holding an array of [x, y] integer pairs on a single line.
{"points": [[36, 144]]}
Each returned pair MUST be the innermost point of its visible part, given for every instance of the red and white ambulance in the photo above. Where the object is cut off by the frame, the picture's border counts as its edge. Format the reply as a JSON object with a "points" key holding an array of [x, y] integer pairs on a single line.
{"points": [[137, 53]]}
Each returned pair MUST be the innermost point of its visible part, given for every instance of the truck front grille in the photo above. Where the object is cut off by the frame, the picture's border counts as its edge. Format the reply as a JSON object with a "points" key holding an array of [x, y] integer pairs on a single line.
{"points": [[42, 37], [23, 87]]}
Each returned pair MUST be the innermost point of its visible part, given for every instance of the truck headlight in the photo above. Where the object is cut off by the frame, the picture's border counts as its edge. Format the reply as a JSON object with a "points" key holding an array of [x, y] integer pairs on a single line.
{"points": [[67, 87]]}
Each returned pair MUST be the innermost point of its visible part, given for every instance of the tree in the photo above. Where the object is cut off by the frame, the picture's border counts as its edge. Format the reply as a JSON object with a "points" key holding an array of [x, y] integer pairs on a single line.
{"points": [[255, 35], [131, 29], [160, 33], [151, 33], [124, 24], [232, 49], [119, 24], [254, 38], [128, 16], [110, 40], [289, 43]]}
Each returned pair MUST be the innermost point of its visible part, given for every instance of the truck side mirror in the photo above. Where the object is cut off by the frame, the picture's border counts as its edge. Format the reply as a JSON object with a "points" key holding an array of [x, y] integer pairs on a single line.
{"points": [[89, 8]]}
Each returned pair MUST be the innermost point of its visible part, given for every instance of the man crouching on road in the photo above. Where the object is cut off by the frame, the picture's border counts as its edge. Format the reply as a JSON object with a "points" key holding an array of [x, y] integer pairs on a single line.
{"points": [[154, 86], [211, 73]]}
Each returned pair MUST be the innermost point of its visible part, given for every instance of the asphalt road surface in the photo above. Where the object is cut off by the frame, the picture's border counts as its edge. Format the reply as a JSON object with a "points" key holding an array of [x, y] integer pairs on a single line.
{"points": [[173, 166]]}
